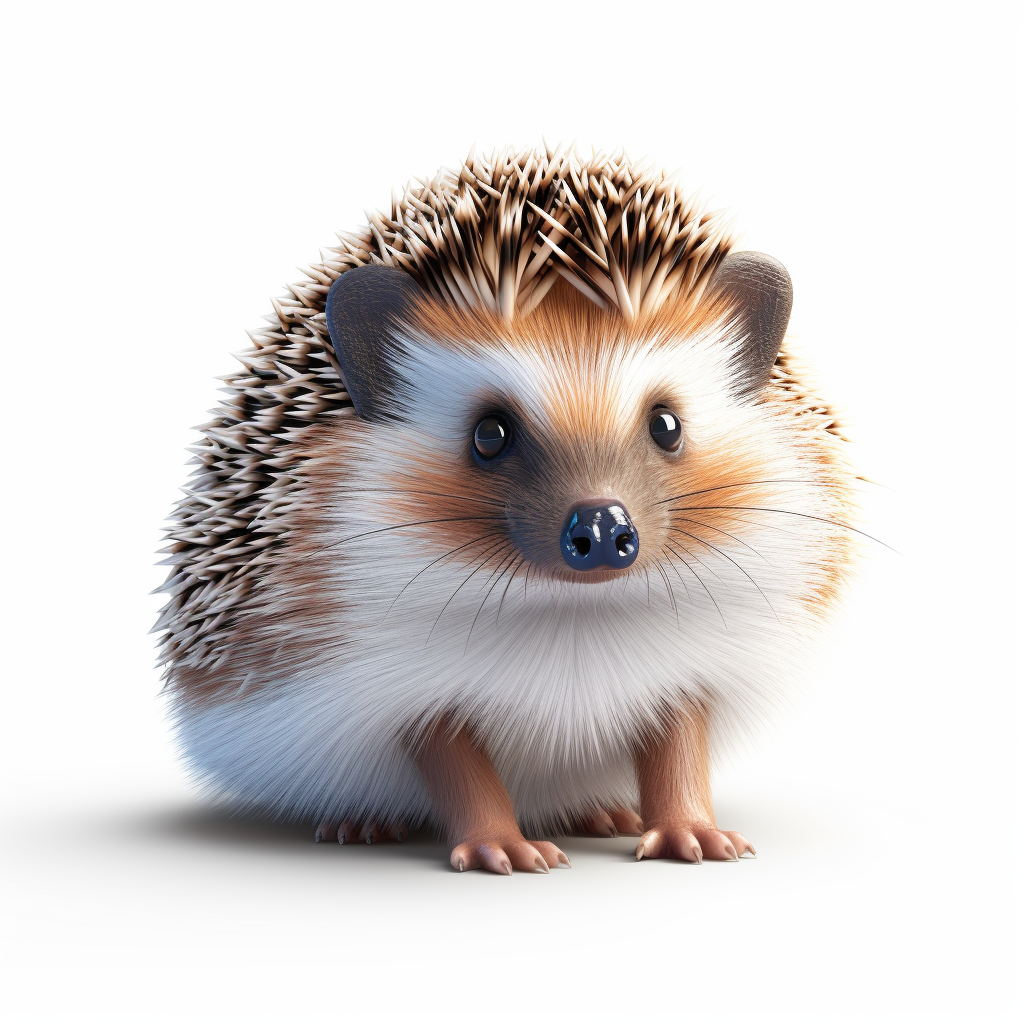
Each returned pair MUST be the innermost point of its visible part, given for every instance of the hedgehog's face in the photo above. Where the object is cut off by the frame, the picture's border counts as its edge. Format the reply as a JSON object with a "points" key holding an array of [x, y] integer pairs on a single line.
{"points": [[587, 453], [569, 451], [567, 444]]}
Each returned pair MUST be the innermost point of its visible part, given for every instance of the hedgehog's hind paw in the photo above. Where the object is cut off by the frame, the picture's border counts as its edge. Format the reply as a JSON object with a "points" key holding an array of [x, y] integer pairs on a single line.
{"points": [[611, 823], [360, 832]]}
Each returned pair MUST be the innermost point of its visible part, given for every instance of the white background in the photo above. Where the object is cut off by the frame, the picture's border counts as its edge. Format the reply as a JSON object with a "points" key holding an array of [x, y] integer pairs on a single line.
{"points": [[166, 168]]}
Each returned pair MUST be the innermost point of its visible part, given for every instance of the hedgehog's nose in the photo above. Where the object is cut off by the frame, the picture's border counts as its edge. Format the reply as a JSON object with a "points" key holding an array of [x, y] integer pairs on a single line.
{"points": [[599, 537]]}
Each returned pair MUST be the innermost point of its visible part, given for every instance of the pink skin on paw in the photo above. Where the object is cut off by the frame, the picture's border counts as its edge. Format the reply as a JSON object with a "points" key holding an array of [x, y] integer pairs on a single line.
{"points": [[509, 853], [612, 823], [358, 832], [694, 841]]}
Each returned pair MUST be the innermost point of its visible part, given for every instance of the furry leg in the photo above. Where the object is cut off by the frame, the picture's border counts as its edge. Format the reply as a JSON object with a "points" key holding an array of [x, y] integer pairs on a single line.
{"points": [[474, 807], [673, 773]]}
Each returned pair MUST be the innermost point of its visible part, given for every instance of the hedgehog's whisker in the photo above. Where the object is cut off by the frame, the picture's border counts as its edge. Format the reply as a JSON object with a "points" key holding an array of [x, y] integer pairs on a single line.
{"points": [[753, 522], [405, 526], [724, 533], [686, 589], [668, 588], [515, 569], [429, 494], [697, 578], [488, 554], [782, 512], [447, 554], [719, 551], [500, 570], [747, 483], [698, 559]]}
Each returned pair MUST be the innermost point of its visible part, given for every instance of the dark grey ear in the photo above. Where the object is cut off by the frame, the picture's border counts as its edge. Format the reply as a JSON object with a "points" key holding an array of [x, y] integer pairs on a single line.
{"points": [[364, 307], [760, 291]]}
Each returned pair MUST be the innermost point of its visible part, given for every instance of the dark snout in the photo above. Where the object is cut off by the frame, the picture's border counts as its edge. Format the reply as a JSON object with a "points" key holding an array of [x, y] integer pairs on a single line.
{"points": [[600, 537]]}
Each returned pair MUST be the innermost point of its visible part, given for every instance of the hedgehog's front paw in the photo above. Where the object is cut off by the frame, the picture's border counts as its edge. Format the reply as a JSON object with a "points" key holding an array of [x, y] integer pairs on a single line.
{"points": [[502, 853], [693, 841]]}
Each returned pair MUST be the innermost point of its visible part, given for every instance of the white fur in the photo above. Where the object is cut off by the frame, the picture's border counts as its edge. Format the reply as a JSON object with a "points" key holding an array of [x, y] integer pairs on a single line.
{"points": [[561, 681]]}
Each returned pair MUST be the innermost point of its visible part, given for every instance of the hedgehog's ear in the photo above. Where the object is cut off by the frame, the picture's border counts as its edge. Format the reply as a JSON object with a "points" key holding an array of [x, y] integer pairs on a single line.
{"points": [[759, 291], [365, 306]]}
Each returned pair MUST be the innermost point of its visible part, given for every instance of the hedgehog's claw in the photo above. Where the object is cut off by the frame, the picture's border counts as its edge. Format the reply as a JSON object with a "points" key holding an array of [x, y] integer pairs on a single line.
{"points": [[326, 831], [694, 841], [354, 831], [501, 856], [612, 823]]}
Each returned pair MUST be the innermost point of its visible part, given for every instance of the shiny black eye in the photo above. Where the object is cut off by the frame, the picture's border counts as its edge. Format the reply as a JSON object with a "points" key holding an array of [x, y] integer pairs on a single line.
{"points": [[666, 430], [491, 436]]}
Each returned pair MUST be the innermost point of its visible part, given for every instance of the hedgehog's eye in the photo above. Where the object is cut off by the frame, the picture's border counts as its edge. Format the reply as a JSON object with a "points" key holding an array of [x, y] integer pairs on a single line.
{"points": [[666, 429], [491, 436]]}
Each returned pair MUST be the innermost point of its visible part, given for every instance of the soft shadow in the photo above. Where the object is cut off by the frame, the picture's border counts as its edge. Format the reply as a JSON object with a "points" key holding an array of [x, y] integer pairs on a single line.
{"points": [[214, 826]]}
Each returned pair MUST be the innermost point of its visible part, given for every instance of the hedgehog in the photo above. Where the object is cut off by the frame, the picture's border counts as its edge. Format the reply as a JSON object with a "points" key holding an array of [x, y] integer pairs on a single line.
{"points": [[515, 515]]}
